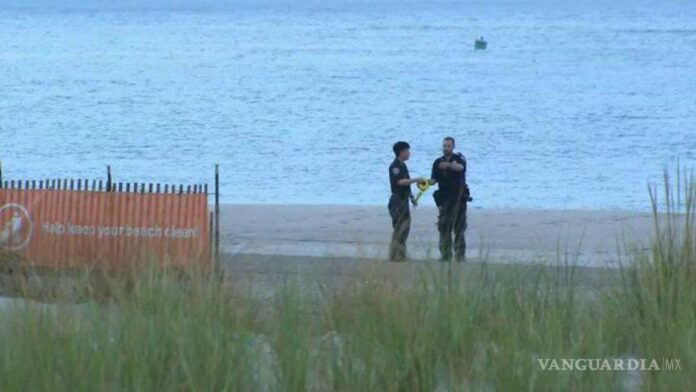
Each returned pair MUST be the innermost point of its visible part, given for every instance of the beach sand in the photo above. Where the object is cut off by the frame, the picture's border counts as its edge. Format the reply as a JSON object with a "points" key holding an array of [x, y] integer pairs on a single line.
{"points": [[581, 237], [327, 246]]}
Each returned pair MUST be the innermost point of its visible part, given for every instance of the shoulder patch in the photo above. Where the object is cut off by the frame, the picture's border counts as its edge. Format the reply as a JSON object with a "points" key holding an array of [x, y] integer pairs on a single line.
{"points": [[395, 170]]}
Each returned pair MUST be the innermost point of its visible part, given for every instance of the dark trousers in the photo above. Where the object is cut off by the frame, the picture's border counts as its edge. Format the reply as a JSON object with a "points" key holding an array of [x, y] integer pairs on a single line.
{"points": [[401, 223], [452, 220]]}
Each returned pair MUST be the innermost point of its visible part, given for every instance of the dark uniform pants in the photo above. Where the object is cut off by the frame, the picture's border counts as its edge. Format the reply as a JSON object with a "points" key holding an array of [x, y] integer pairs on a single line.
{"points": [[452, 220], [401, 223]]}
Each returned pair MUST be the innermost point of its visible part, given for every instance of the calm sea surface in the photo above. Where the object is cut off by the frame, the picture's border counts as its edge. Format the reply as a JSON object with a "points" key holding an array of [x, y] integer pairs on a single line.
{"points": [[576, 106]]}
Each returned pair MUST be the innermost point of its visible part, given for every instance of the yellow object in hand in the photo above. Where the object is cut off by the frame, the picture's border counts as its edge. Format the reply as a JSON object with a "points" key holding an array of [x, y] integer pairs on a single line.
{"points": [[423, 187]]}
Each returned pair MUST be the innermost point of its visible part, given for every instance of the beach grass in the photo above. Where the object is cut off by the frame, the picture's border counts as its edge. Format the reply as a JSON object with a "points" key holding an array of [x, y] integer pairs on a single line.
{"points": [[442, 329]]}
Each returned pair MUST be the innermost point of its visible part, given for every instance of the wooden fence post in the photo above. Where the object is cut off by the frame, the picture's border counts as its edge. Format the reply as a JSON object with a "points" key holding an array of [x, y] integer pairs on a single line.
{"points": [[108, 178], [217, 216], [210, 231]]}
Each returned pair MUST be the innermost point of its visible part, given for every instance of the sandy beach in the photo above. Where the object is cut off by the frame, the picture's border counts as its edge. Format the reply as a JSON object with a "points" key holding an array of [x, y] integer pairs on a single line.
{"points": [[330, 245], [583, 237]]}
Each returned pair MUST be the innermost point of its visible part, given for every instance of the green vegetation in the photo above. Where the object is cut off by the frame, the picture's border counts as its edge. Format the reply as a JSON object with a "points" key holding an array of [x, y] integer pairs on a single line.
{"points": [[483, 330]]}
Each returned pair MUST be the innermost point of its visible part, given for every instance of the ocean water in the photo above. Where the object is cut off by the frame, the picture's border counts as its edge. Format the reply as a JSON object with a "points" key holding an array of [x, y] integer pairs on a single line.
{"points": [[571, 106]]}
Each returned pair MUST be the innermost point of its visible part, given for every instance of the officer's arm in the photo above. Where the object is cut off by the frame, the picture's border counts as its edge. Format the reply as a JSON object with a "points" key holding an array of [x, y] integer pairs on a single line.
{"points": [[458, 167], [435, 173], [408, 181]]}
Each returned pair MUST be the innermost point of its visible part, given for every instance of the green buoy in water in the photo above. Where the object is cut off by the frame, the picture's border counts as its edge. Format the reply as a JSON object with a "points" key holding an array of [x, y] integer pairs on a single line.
{"points": [[480, 44]]}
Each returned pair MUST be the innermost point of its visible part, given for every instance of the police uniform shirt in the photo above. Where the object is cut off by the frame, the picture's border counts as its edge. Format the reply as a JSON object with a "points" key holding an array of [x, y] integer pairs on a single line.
{"points": [[399, 171], [449, 181]]}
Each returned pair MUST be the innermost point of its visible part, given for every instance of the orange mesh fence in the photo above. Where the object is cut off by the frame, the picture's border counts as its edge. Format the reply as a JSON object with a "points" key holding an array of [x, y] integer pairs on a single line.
{"points": [[66, 228]]}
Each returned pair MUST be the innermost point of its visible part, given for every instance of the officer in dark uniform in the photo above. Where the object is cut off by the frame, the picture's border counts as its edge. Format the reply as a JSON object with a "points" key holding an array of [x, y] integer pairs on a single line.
{"points": [[449, 172], [399, 210]]}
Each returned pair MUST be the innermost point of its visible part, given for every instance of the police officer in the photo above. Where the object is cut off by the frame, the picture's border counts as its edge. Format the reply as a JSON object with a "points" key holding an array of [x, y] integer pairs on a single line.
{"points": [[449, 172], [398, 202]]}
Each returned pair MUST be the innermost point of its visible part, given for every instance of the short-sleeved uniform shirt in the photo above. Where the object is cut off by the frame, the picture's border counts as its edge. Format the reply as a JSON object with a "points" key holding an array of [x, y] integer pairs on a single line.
{"points": [[399, 171], [449, 181]]}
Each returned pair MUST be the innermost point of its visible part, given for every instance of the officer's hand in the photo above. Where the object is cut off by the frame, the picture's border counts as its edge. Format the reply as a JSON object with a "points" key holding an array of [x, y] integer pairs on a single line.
{"points": [[421, 181]]}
